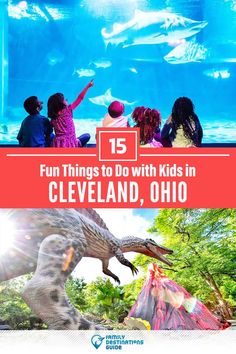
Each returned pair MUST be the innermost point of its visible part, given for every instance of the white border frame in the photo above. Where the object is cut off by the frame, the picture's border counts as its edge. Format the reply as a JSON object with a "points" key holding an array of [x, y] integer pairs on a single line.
{"points": [[118, 131]]}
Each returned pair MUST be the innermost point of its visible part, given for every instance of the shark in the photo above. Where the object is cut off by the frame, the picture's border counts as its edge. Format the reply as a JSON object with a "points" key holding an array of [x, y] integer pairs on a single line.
{"points": [[153, 27], [107, 98], [84, 72], [101, 63], [187, 52]]}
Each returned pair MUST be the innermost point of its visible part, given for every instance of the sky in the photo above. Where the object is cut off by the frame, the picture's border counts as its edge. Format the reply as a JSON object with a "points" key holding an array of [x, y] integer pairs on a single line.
{"points": [[121, 222]]}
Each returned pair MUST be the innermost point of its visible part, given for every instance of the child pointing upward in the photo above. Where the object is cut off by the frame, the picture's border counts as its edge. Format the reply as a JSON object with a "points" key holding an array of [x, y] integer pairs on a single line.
{"points": [[61, 114]]}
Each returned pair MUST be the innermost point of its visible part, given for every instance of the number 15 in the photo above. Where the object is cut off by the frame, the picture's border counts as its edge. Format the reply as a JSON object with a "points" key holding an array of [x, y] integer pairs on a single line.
{"points": [[118, 145]]}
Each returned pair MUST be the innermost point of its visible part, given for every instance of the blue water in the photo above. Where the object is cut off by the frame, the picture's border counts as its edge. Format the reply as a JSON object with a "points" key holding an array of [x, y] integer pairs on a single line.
{"points": [[142, 52]]}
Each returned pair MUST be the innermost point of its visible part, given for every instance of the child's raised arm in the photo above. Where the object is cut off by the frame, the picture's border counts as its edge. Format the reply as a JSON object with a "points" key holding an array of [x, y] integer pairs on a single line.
{"points": [[81, 95]]}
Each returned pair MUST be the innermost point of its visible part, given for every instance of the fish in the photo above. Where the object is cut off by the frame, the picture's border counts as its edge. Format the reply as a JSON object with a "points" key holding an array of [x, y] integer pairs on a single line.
{"points": [[84, 72], [101, 63], [107, 98], [187, 52], [154, 27], [217, 73]]}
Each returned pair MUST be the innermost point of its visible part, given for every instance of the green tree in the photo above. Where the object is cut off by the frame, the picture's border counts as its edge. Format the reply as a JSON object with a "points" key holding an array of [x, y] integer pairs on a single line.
{"points": [[204, 259]]}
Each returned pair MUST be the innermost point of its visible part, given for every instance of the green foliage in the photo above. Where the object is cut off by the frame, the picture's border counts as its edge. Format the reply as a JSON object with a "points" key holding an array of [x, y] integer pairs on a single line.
{"points": [[204, 245], [103, 299], [14, 310], [106, 300], [75, 289], [132, 290]]}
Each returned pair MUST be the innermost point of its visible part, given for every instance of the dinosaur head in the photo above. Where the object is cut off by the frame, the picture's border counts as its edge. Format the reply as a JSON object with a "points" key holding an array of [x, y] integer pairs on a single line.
{"points": [[152, 249], [148, 247]]}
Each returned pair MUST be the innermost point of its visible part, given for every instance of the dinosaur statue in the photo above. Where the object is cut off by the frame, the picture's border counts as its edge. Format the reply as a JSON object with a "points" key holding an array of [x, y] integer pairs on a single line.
{"points": [[51, 242]]}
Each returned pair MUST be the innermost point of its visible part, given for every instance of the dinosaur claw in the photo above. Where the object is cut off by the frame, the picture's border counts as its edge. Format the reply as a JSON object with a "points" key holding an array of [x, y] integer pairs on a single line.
{"points": [[117, 280], [134, 270]]}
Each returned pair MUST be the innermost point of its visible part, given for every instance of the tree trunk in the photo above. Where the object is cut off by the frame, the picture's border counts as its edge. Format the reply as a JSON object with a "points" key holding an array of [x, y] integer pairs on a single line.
{"points": [[223, 305]]}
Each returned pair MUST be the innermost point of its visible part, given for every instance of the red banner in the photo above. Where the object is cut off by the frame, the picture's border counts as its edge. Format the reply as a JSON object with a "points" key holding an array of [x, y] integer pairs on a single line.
{"points": [[151, 178]]}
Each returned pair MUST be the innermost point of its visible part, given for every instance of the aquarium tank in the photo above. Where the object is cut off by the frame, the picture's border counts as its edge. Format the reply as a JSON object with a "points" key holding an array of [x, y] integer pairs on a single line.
{"points": [[140, 52]]}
